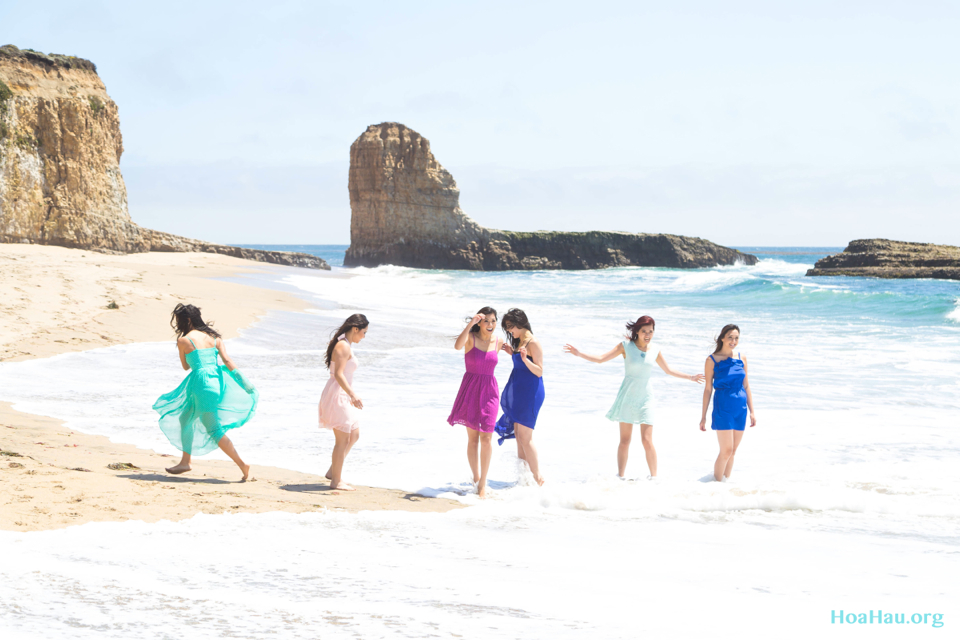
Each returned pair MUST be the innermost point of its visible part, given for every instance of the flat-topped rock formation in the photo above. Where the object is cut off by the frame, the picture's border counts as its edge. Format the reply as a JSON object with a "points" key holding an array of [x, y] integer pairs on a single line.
{"points": [[892, 259], [60, 148], [406, 211]]}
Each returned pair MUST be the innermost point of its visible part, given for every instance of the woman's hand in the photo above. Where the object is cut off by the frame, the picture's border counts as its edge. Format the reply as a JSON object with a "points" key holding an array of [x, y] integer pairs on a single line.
{"points": [[699, 378], [753, 420], [475, 320], [523, 353], [703, 424], [506, 347], [356, 401], [572, 350]]}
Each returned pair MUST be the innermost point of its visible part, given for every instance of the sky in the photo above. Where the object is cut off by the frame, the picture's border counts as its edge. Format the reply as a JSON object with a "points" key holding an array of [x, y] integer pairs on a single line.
{"points": [[746, 123]]}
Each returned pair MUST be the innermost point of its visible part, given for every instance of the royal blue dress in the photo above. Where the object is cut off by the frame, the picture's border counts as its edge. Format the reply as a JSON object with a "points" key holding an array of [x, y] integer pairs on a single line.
{"points": [[729, 396], [520, 401]]}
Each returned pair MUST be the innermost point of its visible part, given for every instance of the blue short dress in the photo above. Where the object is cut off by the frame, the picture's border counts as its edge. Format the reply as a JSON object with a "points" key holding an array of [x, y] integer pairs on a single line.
{"points": [[520, 401], [729, 396]]}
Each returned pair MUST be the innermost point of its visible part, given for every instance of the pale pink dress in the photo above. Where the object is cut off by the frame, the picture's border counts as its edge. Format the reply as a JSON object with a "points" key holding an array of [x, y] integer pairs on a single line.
{"points": [[335, 409]]}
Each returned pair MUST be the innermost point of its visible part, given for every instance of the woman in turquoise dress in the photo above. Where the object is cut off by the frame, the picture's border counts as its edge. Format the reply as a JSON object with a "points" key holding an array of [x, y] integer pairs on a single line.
{"points": [[635, 403], [727, 382], [211, 400]]}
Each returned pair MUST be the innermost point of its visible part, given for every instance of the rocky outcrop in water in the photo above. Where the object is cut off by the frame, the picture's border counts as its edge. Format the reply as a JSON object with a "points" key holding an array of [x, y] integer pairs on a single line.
{"points": [[892, 259], [60, 148], [406, 211]]}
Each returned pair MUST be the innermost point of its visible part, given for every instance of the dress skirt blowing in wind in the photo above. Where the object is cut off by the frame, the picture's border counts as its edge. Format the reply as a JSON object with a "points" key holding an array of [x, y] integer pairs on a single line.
{"points": [[210, 401]]}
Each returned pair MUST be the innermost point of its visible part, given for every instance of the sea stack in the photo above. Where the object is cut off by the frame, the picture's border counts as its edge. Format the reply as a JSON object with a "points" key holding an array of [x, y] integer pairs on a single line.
{"points": [[60, 148], [879, 258], [405, 210]]}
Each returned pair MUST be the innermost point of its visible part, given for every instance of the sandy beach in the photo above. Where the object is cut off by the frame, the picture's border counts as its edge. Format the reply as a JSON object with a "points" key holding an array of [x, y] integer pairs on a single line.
{"points": [[59, 300]]}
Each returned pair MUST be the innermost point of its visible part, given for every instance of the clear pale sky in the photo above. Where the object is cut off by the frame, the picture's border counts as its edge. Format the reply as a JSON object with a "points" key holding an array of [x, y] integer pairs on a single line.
{"points": [[748, 123]]}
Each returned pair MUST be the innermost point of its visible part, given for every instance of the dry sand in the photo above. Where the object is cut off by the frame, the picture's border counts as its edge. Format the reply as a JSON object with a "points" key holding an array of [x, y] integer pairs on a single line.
{"points": [[56, 300]]}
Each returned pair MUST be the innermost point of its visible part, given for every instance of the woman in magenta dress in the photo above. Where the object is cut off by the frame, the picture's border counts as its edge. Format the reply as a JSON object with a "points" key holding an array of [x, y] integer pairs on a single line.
{"points": [[479, 396], [339, 408]]}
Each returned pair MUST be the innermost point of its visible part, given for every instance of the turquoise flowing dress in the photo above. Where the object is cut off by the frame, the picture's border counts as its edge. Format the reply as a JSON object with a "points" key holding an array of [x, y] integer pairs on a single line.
{"points": [[635, 403], [210, 401]]}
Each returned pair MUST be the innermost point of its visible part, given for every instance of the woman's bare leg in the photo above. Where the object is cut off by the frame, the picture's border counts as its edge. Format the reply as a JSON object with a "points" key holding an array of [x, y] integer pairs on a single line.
{"points": [[227, 447], [354, 436], [473, 454], [342, 444], [725, 438], [486, 454], [737, 437], [182, 467], [525, 440], [646, 437], [623, 451]]}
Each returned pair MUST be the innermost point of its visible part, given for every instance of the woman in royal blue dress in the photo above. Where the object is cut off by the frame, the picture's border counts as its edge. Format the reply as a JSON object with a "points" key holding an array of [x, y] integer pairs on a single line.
{"points": [[726, 379], [523, 395]]}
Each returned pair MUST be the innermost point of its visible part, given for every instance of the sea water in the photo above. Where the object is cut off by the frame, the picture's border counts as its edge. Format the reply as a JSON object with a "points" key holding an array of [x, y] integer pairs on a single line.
{"points": [[844, 496]]}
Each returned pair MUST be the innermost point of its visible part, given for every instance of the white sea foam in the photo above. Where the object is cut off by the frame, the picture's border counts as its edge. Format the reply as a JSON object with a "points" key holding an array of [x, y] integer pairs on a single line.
{"points": [[848, 473], [955, 314]]}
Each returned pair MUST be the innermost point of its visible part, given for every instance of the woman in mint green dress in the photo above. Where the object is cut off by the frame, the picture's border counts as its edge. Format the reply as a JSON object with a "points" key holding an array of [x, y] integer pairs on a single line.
{"points": [[635, 403], [211, 400]]}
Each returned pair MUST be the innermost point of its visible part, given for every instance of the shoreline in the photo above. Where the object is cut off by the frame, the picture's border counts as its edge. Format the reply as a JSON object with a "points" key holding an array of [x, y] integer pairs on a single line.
{"points": [[54, 477]]}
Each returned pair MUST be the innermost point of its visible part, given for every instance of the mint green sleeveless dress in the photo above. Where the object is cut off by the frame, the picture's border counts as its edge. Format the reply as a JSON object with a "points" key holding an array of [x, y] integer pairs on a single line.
{"points": [[635, 403], [210, 401]]}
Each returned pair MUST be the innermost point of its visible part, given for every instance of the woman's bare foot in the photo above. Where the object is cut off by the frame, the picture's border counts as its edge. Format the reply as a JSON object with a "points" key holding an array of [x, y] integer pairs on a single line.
{"points": [[328, 475], [341, 486], [539, 480], [246, 474], [178, 469], [482, 490]]}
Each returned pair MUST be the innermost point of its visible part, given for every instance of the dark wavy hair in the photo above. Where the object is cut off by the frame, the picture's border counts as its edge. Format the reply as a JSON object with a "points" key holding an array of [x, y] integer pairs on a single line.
{"points": [[483, 312], [186, 318], [723, 334], [356, 321], [516, 318], [642, 321]]}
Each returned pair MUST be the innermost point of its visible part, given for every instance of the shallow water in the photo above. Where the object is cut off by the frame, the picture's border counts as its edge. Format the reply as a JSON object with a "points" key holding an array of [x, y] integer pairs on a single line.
{"points": [[844, 494]]}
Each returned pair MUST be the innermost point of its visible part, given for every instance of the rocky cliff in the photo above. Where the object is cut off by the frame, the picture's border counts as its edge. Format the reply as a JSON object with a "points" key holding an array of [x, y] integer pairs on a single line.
{"points": [[892, 259], [406, 211], [60, 148]]}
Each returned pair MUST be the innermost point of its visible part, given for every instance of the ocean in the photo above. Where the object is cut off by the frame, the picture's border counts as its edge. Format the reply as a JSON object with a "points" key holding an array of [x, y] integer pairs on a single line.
{"points": [[845, 496]]}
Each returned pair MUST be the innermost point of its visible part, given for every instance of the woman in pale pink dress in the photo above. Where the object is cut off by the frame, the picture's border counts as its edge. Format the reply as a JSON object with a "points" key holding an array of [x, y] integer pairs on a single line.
{"points": [[339, 405]]}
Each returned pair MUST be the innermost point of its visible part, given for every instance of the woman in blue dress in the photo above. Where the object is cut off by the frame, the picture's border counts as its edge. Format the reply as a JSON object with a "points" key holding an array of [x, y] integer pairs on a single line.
{"points": [[727, 381], [523, 395], [635, 403]]}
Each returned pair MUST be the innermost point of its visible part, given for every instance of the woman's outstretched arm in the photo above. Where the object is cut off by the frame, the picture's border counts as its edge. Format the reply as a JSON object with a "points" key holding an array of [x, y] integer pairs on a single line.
{"points": [[609, 355], [698, 378], [707, 391]]}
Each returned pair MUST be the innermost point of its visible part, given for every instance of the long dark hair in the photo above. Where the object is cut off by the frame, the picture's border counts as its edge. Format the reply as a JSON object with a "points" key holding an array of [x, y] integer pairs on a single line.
{"points": [[642, 321], [723, 334], [356, 321], [186, 318], [516, 318], [483, 312]]}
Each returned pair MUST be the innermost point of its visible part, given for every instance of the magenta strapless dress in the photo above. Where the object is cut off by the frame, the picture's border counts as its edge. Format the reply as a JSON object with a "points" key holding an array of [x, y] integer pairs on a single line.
{"points": [[479, 396]]}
